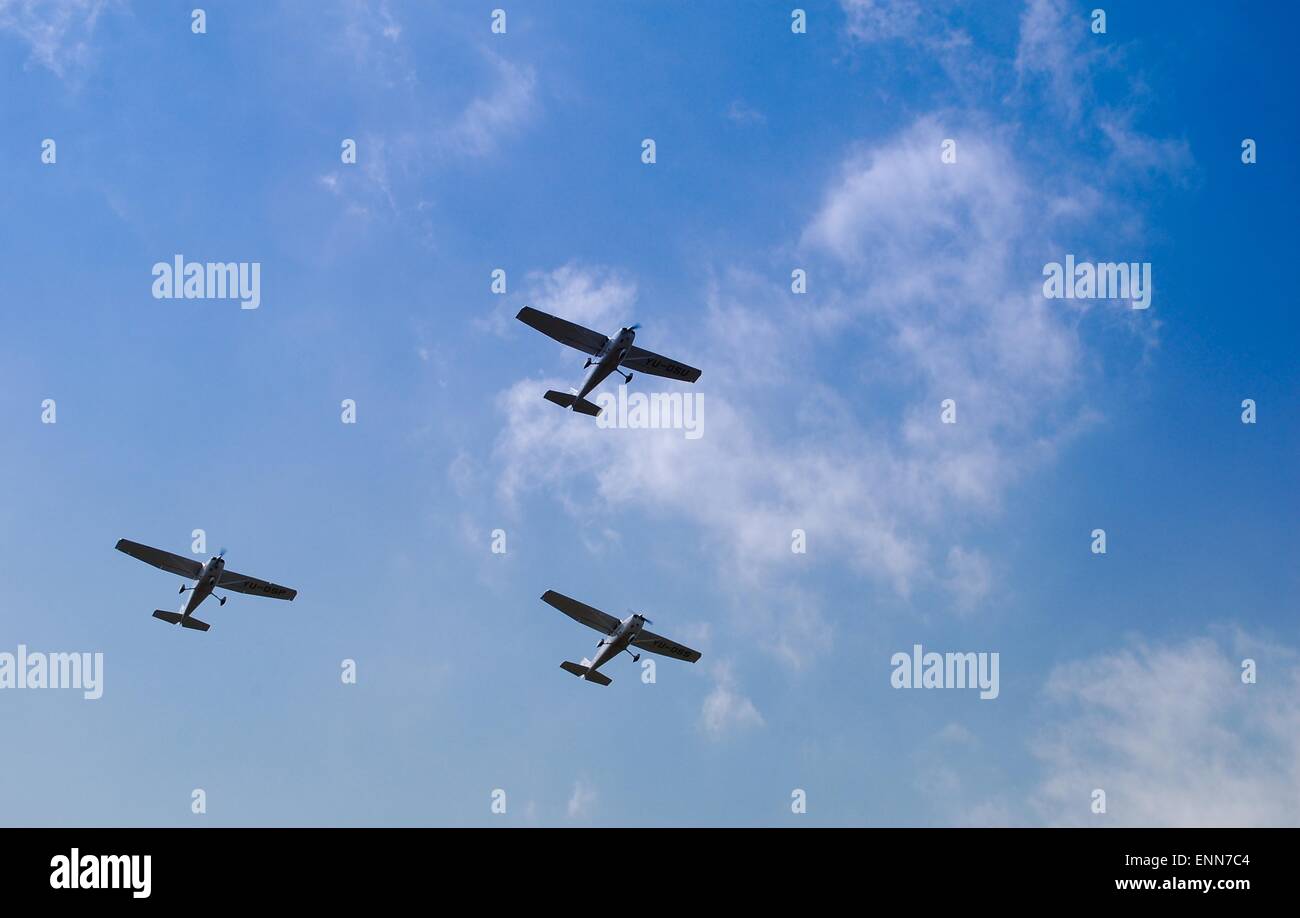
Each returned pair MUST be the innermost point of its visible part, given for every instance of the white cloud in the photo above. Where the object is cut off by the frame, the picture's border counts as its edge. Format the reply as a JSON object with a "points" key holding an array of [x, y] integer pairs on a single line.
{"points": [[1174, 737], [969, 577], [592, 296], [955, 734], [747, 490], [58, 32], [959, 322], [1060, 57], [582, 802], [933, 266], [932, 271], [1051, 49], [942, 262], [486, 119], [371, 36], [726, 710], [882, 20], [740, 113], [1135, 152], [927, 31], [392, 165]]}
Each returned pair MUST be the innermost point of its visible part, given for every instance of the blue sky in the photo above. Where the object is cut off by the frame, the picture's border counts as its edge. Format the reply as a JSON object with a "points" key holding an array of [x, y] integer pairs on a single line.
{"points": [[775, 151]]}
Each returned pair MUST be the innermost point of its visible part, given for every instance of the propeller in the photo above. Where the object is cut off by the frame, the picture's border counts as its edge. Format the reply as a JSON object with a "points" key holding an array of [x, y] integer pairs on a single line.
{"points": [[222, 553], [642, 617], [634, 327]]}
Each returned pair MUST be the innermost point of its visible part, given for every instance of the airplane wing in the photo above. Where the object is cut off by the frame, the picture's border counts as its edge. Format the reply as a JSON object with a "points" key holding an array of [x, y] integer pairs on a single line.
{"points": [[656, 365], [163, 560], [563, 331], [242, 583], [592, 618], [648, 640]]}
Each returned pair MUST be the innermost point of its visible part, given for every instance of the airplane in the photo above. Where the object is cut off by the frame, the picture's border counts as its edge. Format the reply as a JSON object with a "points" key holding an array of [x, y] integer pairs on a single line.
{"points": [[607, 355], [618, 635], [209, 576]]}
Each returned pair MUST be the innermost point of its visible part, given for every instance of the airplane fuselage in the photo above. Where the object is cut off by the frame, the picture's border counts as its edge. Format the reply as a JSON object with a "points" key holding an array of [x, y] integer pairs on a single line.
{"points": [[608, 359], [209, 576], [617, 642]]}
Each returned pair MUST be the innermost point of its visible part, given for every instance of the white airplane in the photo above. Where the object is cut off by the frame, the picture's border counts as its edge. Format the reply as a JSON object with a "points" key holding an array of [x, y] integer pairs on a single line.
{"points": [[618, 635], [209, 576], [608, 354]]}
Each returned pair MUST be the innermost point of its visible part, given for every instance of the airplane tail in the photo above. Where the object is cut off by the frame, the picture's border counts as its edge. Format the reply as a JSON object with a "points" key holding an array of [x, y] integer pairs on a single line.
{"points": [[569, 400], [579, 669], [175, 618]]}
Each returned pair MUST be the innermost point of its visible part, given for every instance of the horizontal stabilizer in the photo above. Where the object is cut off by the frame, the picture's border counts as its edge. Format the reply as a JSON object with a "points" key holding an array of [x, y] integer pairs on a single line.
{"points": [[568, 400], [175, 618], [591, 675]]}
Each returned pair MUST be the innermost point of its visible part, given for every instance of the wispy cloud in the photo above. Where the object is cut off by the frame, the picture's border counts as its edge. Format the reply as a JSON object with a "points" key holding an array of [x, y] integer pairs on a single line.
{"points": [[726, 710], [592, 295], [933, 269], [882, 20], [1174, 737], [582, 802], [396, 157], [58, 32], [970, 577], [1052, 50], [595, 296], [488, 118], [928, 256], [371, 37], [927, 28], [740, 113]]}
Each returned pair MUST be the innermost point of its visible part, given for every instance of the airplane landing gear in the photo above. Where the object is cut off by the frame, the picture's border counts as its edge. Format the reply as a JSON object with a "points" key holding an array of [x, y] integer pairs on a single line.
{"points": [[626, 377], [221, 600]]}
